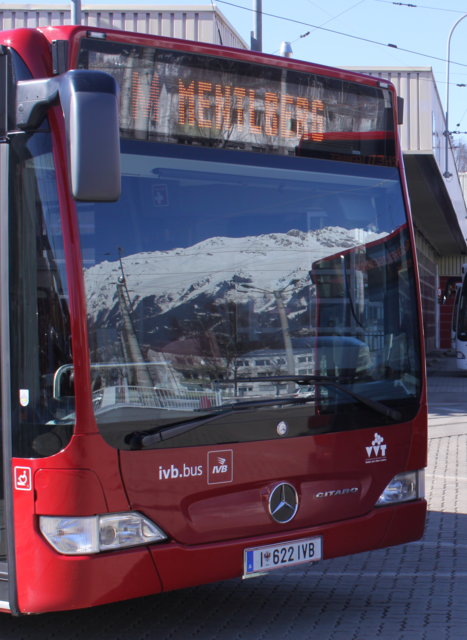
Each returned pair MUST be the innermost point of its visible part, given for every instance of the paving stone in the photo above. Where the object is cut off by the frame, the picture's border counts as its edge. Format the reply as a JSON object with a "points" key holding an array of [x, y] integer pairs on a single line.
{"points": [[412, 592]]}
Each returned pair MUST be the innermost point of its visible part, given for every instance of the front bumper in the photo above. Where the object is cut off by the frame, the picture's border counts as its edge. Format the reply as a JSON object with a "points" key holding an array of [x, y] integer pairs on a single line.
{"points": [[180, 566], [48, 581]]}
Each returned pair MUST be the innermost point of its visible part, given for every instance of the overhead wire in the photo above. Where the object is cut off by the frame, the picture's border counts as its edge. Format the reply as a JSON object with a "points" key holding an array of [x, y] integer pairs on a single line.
{"points": [[460, 121], [337, 18], [334, 17], [340, 33], [418, 6], [327, 21]]}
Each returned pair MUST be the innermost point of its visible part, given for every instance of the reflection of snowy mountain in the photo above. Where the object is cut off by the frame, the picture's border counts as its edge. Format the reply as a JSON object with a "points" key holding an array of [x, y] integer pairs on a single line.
{"points": [[186, 283]]}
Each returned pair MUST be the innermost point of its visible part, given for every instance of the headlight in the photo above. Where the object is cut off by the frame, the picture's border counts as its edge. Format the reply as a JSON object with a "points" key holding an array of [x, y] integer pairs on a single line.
{"points": [[460, 355], [83, 536], [404, 487]]}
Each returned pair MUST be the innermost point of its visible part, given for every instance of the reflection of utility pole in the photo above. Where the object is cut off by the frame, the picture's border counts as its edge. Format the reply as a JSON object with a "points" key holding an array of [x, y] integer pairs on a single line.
{"points": [[285, 326], [122, 279], [132, 348]]}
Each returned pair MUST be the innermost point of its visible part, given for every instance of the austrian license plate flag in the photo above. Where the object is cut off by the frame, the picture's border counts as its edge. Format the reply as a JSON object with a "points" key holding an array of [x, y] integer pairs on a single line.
{"points": [[287, 554]]}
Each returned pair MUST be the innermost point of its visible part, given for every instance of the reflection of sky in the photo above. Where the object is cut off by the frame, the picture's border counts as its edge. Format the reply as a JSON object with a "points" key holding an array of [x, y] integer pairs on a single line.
{"points": [[203, 199], [43, 165]]}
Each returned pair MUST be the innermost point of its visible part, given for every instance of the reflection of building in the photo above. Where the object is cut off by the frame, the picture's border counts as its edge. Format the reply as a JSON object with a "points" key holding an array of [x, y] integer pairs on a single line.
{"points": [[438, 207], [329, 355], [271, 363], [188, 363], [190, 22]]}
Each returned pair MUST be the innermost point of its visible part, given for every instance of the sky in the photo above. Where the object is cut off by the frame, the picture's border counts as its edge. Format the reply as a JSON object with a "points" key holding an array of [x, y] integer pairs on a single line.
{"points": [[423, 29]]}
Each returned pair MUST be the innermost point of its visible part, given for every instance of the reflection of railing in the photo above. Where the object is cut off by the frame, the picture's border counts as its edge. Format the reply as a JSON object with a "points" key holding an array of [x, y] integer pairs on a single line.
{"points": [[375, 341], [182, 400], [68, 368]]}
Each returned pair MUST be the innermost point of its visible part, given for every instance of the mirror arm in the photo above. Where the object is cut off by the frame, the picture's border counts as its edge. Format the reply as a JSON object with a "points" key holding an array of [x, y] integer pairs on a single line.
{"points": [[33, 99]]}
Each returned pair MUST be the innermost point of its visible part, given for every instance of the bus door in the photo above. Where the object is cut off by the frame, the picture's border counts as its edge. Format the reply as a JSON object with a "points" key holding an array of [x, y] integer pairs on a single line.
{"points": [[3, 565], [4, 598]]}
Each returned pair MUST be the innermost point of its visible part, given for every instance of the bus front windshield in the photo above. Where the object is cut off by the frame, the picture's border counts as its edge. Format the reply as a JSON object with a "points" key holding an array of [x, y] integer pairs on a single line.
{"points": [[217, 270]]}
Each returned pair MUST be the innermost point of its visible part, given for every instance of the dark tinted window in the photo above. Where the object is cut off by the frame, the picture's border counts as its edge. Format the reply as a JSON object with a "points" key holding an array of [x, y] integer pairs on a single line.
{"points": [[41, 371]]}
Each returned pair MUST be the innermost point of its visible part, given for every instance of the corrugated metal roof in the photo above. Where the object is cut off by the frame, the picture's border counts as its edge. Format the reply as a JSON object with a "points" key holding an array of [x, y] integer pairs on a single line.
{"points": [[202, 23], [438, 205]]}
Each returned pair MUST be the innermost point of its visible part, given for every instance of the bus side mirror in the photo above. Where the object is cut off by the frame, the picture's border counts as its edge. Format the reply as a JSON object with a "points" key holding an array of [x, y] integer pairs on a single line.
{"points": [[89, 100]]}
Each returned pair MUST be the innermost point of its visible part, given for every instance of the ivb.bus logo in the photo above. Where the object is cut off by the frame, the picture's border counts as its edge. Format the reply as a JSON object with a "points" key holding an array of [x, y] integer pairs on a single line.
{"points": [[220, 466]]}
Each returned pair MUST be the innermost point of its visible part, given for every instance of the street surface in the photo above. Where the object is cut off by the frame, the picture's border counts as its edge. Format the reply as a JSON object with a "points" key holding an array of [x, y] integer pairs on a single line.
{"points": [[412, 592]]}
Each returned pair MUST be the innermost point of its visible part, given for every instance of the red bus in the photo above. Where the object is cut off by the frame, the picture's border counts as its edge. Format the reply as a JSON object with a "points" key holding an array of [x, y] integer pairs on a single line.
{"points": [[187, 232]]}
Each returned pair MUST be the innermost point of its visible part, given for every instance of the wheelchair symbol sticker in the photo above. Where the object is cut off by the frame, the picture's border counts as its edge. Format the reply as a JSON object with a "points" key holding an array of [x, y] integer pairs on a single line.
{"points": [[23, 480]]}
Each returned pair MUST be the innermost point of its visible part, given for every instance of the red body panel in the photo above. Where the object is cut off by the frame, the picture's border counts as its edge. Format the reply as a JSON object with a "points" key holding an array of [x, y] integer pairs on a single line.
{"points": [[57, 488], [179, 565], [192, 511], [50, 581], [206, 522]]}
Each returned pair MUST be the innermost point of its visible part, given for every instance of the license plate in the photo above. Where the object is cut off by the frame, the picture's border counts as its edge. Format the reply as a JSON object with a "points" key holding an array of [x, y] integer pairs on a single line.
{"points": [[285, 554]]}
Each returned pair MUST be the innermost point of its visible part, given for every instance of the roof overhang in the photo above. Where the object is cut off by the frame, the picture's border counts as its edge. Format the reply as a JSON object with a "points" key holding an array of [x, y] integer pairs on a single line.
{"points": [[432, 208]]}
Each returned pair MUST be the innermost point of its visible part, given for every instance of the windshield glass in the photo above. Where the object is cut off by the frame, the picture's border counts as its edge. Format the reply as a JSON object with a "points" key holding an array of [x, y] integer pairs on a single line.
{"points": [[42, 419], [216, 266]]}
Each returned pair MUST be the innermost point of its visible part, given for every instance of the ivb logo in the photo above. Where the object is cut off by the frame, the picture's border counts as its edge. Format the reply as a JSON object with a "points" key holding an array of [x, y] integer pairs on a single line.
{"points": [[220, 466], [377, 451]]}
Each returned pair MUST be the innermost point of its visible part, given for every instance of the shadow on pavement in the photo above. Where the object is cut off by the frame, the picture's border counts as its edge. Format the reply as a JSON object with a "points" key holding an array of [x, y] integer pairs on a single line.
{"points": [[414, 591]]}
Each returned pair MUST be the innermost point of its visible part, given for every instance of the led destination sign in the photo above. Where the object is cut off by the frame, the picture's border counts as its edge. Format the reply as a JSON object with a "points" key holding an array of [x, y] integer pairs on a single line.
{"points": [[262, 113], [189, 98]]}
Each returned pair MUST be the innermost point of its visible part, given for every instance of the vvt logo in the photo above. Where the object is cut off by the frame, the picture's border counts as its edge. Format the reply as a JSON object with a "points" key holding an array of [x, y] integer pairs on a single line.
{"points": [[220, 466], [377, 451]]}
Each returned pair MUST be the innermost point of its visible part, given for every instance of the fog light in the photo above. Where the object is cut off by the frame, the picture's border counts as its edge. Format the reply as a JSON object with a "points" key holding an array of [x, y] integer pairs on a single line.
{"points": [[460, 355], [83, 536], [404, 487], [71, 535]]}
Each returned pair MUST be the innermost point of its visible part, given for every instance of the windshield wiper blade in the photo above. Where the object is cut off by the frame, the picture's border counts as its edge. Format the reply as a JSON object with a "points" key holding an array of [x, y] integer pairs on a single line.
{"points": [[325, 381], [143, 439], [140, 439]]}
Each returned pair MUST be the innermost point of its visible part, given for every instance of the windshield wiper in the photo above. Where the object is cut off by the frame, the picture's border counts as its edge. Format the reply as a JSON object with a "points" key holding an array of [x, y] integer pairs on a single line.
{"points": [[325, 381], [142, 439]]}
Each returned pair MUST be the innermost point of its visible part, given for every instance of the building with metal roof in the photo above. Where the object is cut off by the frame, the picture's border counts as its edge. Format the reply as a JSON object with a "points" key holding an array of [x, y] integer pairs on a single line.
{"points": [[201, 23], [438, 206]]}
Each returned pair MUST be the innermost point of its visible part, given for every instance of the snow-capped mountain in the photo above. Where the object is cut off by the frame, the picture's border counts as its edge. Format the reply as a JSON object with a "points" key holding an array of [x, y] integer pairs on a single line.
{"points": [[184, 284], [174, 277]]}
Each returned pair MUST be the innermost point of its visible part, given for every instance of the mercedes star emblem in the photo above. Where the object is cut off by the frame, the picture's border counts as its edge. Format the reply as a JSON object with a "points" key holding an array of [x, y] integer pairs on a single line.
{"points": [[282, 428], [283, 503]]}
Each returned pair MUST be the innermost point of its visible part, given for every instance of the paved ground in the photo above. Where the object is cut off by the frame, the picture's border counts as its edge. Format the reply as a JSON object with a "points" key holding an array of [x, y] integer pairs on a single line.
{"points": [[413, 592]]}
